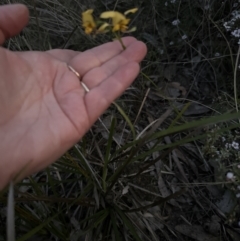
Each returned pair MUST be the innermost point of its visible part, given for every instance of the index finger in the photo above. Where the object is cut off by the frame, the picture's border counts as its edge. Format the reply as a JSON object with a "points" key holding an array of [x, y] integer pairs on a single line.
{"points": [[97, 56]]}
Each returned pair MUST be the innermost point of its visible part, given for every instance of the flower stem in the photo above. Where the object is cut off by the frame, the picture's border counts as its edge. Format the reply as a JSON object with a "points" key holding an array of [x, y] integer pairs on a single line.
{"points": [[120, 40]]}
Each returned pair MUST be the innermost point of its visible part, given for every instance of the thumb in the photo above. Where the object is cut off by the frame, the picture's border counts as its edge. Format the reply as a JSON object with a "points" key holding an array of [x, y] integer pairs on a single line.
{"points": [[13, 19]]}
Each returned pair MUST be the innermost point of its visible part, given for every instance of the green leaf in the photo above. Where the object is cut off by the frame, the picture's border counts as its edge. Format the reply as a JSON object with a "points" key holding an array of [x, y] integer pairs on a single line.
{"points": [[38, 228], [179, 114], [87, 166], [115, 228], [187, 139], [126, 119], [127, 223], [51, 181], [96, 219], [196, 124], [107, 155]]}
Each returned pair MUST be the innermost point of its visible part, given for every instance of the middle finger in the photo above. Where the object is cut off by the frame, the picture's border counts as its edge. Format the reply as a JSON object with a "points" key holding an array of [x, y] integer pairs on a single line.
{"points": [[97, 56], [96, 75]]}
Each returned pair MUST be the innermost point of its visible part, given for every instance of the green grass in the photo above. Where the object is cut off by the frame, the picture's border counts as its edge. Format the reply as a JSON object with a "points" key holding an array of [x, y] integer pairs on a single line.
{"points": [[159, 172]]}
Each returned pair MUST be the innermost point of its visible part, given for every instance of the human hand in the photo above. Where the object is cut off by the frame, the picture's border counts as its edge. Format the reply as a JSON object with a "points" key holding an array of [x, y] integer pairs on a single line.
{"points": [[44, 109]]}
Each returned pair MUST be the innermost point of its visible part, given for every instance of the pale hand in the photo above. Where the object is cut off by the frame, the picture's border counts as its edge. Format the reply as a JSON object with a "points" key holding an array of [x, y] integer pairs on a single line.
{"points": [[43, 108]]}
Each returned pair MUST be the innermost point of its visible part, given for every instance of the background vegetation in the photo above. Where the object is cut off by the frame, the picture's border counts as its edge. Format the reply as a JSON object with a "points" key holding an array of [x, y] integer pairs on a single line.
{"points": [[164, 164]]}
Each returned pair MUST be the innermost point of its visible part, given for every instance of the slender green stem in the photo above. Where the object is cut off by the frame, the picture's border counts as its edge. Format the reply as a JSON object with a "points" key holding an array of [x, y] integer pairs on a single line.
{"points": [[120, 40], [71, 34]]}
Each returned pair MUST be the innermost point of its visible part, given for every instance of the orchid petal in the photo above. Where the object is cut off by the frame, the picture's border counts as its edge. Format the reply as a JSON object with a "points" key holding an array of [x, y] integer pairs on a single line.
{"points": [[133, 10], [102, 28]]}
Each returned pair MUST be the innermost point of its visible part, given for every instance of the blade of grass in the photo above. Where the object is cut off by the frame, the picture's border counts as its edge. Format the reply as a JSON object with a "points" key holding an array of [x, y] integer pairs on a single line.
{"points": [[179, 114], [35, 186], [176, 129], [235, 80], [195, 124], [87, 166], [70, 36], [95, 216], [76, 165], [126, 119], [51, 182], [141, 107], [163, 133], [127, 223], [158, 202], [10, 215], [97, 219], [37, 229], [181, 142], [114, 223], [36, 16], [107, 155]]}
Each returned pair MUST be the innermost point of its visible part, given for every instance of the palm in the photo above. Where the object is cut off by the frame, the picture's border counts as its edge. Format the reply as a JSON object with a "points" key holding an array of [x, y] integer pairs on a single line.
{"points": [[44, 109], [49, 103]]}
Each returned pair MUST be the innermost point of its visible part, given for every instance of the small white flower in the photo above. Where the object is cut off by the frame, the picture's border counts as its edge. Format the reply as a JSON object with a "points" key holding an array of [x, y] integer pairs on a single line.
{"points": [[238, 195], [223, 139], [166, 3], [216, 54], [175, 22], [227, 145], [236, 15], [238, 187], [236, 33], [226, 26], [230, 176], [184, 36], [238, 166], [173, 1], [235, 145], [171, 43], [239, 42]]}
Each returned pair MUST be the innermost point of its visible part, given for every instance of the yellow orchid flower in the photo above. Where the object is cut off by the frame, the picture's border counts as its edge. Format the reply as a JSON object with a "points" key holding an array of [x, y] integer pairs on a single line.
{"points": [[88, 21], [119, 20]]}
